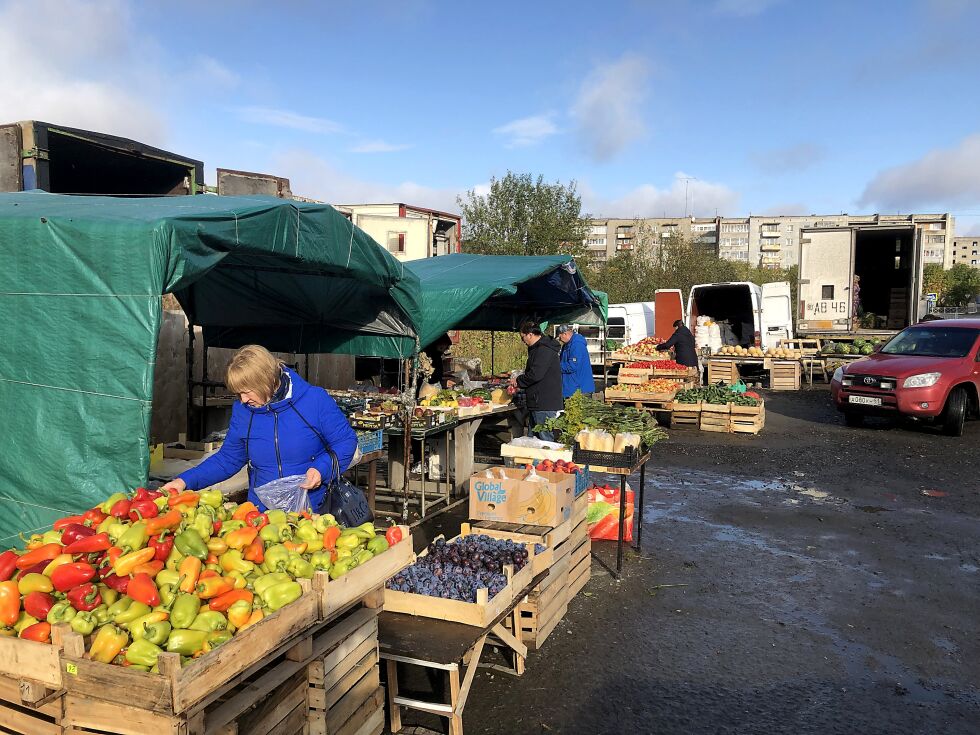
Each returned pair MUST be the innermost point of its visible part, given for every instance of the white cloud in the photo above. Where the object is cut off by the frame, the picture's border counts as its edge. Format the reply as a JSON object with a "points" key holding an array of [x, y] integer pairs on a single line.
{"points": [[80, 64], [786, 208], [941, 178], [743, 7], [608, 110], [211, 71], [684, 194], [312, 176], [791, 159], [527, 131], [288, 119], [378, 146]]}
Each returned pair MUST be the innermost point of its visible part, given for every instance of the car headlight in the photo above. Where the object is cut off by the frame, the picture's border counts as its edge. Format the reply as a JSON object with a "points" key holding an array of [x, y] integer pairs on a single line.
{"points": [[922, 380], [839, 375]]}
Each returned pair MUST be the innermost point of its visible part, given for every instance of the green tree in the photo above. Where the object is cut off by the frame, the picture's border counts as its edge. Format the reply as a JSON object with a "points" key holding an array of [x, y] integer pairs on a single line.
{"points": [[935, 280], [963, 285], [521, 215]]}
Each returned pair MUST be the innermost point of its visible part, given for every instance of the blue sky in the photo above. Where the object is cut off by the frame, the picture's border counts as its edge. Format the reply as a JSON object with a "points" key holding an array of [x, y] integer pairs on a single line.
{"points": [[764, 106]]}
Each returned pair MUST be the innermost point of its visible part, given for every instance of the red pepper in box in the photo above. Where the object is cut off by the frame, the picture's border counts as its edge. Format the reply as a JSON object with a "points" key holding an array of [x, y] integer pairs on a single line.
{"points": [[89, 544], [40, 632], [84, 597], [9, 603], [143, 589], [143, 494], [119, 584], [161, 545], [120, 509], [603, 514], [141, 509], [74, 531], [61, 523], [38, 604], [71, 575], [44, 553], [93, 517], [8, 565]]}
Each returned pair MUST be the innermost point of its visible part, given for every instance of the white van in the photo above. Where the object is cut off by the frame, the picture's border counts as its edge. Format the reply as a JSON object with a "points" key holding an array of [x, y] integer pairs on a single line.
{"points": [[757, 316], [627, 324]]}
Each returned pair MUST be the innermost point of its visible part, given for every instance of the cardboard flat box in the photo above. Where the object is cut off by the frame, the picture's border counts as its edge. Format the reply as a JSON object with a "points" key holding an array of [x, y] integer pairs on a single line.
{"points": [[514, 500]]}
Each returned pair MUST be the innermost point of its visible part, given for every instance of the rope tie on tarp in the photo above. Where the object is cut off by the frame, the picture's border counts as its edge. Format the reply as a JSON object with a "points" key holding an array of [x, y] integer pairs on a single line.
{"points": [[75, 390]]}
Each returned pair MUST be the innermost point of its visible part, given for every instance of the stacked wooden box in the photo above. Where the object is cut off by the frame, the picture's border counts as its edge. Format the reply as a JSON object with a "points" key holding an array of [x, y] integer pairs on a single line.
{"points": [[685, 414], [784, 375], [716, 417], [31, 694], [725, 371], [580, 561], [748, 419]]}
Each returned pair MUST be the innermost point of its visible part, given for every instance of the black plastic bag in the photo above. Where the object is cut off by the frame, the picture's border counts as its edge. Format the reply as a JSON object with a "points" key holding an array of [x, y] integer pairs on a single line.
{"points": [[346, 502]]}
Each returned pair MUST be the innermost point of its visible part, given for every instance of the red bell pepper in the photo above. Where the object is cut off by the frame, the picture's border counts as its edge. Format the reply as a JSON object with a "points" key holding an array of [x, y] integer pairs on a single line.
{"points": [[8, 564], [215, 528], [143, 589], [255, 551], [44, 553], [38, 604], [257, 520], [393, 535], [94, 516], [61, 523], [143, 494], [89, 544], [84, 597], [36, 569], [119, 584], [162, 544], [120, 509], [75, 531], [9, 603], [40, 632], [71, 575], [141, 509]]}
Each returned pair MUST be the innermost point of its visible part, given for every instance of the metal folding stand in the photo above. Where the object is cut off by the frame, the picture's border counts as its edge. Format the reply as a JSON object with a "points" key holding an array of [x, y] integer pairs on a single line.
{"points": [[624, 473]]}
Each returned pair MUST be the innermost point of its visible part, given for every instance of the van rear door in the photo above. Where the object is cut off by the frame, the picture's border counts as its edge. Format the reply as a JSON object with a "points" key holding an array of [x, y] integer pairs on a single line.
{"points": [[826, 277], [777, 313], [668, 308]]}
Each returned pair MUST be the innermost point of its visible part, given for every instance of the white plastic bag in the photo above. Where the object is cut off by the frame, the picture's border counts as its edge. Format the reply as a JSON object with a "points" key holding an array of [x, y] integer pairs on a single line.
{"points": [[285, 494]]}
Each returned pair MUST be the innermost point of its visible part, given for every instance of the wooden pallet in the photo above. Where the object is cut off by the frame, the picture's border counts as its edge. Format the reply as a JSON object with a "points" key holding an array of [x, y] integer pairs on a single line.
{"points": [[480, 613], [685, 414], [748, 419], [22, 718], [725, 371], [272, 696], [784, 375]]}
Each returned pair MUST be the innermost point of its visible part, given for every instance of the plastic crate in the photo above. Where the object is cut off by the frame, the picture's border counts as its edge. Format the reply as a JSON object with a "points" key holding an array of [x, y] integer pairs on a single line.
{"points": [[583, 480], [370, 441], [624, 460]]}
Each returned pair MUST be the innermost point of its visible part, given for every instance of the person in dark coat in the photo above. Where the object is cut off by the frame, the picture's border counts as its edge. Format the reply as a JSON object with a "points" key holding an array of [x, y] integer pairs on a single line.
{"points": [[683, 343], [541, 380], [281, 427]]}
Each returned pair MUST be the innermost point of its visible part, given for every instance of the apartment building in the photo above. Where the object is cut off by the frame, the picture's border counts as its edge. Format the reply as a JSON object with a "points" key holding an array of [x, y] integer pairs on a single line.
{"points": [[408, 232], [966, 251], [766, 241]]}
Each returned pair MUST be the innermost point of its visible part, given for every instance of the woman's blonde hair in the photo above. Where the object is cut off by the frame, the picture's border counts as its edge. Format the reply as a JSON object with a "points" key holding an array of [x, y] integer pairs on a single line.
{"points": [[253, 368]]}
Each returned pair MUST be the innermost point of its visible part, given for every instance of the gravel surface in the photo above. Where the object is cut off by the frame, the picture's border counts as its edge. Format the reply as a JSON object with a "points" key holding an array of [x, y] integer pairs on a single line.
{"points": [[799, 581]]}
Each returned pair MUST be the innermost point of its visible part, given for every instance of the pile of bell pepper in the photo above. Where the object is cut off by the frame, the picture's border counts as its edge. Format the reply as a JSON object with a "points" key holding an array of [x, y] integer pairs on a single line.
{"points": [[145, 572]]}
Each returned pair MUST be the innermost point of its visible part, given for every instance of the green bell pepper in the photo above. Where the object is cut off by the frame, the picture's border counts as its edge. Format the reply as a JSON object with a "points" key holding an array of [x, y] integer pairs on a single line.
{"points": [[190, 543], [186, 642], [299, 568], [218, 637], [173, 560], [162, 503], [136, 610], [270, 580], [168, 593], [84, 623], [323, 522], [340, 568], [363, 557], [142, 652], [184, 610], [232, 525], [117, 530], [277, 517], [203, 524], [61, 612], [167, 576], [282, 594], [275, 533], [209, 620], [377, 545], [365, 531], [212, 498], [135, 627], [276, 558], [120, 606], [306, 531], [111, 501], [321, 561], [232, 561], [156, 633], [52, 537], [104, 526], [102, 615], [134, 539], [109, 595]]}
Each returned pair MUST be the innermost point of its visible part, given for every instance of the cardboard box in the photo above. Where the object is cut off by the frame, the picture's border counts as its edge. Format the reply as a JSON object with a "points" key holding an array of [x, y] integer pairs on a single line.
{"points": [[514, 500]]}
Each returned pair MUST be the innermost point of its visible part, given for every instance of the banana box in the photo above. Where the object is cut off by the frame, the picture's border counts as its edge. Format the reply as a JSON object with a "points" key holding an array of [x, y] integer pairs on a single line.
{"points": [[506, 496]]}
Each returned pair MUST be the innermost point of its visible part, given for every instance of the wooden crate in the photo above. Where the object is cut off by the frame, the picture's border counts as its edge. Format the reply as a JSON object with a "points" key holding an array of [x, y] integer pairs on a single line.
{"points": [[344, 694], [748, 419], [480, 613], [685, 414], [715, 417], [806, 346], [273, 696], [336, 595], [784, 375], [21, 718], [681, 374], [725, 371], [633, 376], [580, 561]]}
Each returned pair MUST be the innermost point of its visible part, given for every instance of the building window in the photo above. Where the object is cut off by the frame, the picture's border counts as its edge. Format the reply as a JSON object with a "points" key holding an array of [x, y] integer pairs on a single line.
{"points": [[935, 239], [396, 242]]}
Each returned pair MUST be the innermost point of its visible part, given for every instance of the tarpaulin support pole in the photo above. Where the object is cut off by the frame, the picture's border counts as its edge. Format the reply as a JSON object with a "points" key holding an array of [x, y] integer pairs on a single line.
{"points": [[407, 434], [493, 335], [189, 354], [306, 366], [203, 423]]}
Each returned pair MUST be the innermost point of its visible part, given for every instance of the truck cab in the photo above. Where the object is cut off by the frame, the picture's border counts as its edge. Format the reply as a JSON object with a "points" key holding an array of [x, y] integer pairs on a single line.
{"points": [[758, 316]]}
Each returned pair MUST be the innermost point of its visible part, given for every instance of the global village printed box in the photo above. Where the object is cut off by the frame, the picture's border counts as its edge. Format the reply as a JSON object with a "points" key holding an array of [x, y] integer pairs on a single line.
{"points": [[507, 497]]}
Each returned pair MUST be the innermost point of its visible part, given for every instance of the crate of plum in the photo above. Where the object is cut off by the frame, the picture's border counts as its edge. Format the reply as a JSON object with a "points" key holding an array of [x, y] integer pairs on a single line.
{"points": [[472, 579]]}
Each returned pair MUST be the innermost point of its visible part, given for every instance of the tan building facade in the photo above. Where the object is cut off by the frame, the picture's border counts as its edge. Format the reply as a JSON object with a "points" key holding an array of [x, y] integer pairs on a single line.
{"points": [[966, 251], [408, 232], [764, 241]]}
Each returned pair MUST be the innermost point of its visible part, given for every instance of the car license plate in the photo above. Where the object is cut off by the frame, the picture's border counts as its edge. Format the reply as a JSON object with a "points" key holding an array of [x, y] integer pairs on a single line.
{"points": [[864, 400]]}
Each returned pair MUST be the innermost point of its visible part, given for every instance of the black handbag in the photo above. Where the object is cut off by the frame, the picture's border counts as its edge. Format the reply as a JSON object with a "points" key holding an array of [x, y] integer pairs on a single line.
{"points": [[346, 502]]}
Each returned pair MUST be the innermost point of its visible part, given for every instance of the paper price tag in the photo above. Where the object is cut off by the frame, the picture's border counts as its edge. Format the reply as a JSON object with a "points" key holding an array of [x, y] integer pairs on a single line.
{"points": [[71, 669]]}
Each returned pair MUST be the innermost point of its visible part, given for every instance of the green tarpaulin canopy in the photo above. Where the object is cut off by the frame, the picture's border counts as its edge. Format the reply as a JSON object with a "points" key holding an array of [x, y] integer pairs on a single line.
{"points": [[498, 292], [80, 293]]}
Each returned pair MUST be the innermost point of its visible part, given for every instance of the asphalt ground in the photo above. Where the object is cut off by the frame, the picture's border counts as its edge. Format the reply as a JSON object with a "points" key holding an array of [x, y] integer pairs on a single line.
{"points": [[811, 579]]}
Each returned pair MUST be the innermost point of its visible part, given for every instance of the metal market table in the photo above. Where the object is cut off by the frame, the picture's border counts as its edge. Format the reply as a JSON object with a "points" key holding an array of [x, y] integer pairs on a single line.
{"points": [[465, 434], [442, 433], [623, 473], [444, 646]]}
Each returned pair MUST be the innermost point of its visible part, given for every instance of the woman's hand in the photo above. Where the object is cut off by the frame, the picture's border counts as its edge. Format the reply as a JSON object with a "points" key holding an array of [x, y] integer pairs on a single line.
{"points": [[313, 479], [176, 485]]}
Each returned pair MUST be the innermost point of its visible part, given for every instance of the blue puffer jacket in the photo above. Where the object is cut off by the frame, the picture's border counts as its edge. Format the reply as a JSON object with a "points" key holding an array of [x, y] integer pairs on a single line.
{"points": [[278, 442], [576, 369]]}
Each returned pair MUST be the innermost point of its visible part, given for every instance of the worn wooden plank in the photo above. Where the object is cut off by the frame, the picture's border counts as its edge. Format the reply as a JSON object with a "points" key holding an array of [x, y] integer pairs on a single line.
{"points": [[368, 712], [337, 652], [25, 721], [330, 696], [374, 725], [118, 719], [21, 659], [345, 708], [363, 656], [274, 706]]}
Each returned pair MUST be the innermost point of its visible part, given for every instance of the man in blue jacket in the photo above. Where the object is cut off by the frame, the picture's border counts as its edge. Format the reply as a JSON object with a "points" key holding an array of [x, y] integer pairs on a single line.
{"points": [[576, 368]]}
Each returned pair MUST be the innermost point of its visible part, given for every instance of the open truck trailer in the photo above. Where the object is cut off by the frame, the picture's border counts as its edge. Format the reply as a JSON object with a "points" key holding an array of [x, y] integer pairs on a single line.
{"points": [[63, 160], [884, 262]]}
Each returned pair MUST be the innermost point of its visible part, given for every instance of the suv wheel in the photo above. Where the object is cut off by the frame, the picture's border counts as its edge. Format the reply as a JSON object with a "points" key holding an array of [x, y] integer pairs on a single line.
{"points": [[853, 419], [955, 413]]}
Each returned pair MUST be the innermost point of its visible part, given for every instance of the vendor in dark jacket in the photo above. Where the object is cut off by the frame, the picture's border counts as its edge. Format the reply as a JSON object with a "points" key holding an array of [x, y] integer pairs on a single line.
{"points": [[541, 379], [683, 343]]}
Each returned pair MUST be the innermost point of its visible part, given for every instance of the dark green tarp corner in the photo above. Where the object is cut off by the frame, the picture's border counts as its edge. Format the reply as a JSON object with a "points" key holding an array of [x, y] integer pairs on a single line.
{"points": [[80, 308], [498, 292]]}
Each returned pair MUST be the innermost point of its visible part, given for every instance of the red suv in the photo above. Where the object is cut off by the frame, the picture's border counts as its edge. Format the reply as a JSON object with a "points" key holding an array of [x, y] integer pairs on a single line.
{"points": [[929, 371]]}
